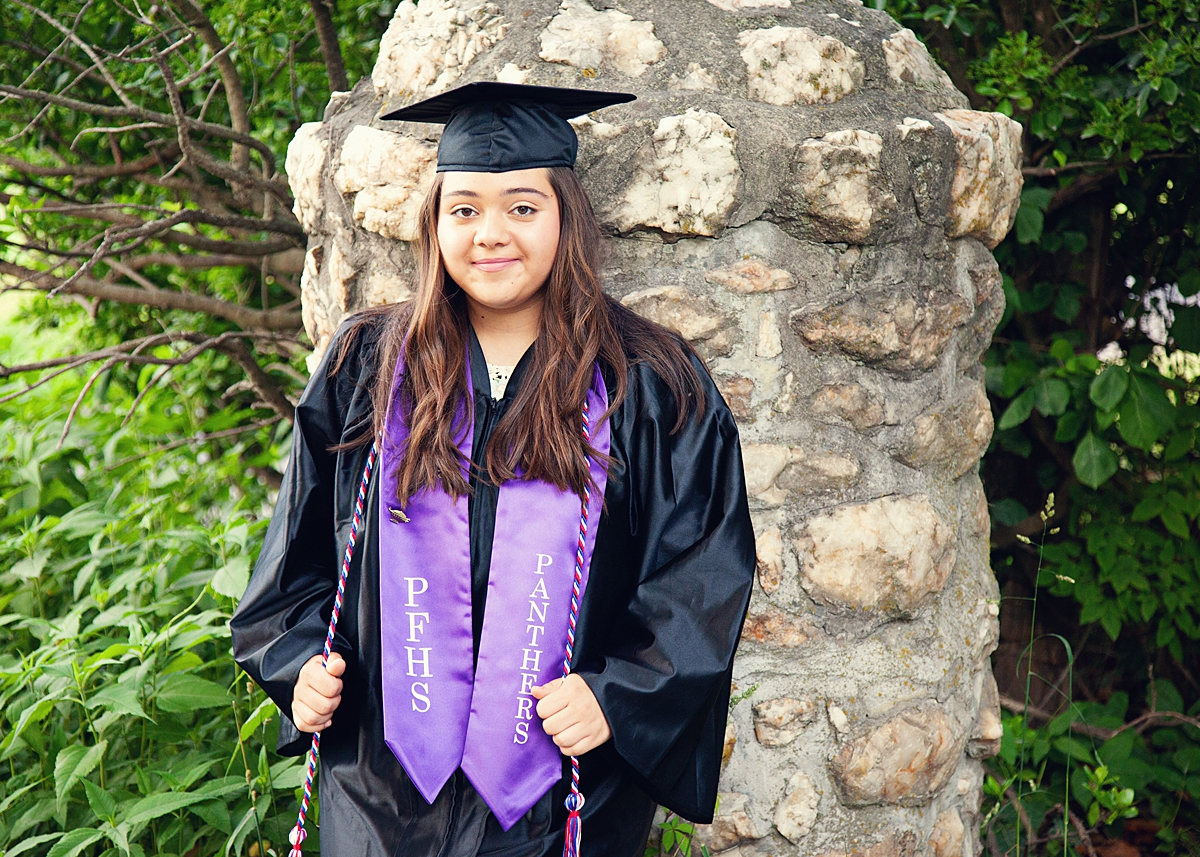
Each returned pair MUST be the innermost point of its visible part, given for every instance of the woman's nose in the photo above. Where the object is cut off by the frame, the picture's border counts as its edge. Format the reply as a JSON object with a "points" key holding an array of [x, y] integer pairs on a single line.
{"points": [[490, 231]]}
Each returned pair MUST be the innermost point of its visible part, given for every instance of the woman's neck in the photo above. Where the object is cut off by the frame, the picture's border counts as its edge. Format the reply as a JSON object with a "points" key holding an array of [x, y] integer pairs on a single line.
{"points": [[505, 336]]}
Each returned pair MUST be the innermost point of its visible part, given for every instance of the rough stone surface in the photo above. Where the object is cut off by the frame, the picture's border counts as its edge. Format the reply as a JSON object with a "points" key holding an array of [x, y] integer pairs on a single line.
{"points": [[778, 722], [739, 5], [696, 319], [769, 550], [951, 437], [986, 192], [887, 555], [585, 38], [773, 627], [427, 47], [947, 839], [909, 62], [900, 332], [686, 179], [731, 826], [906, 760], [388, 175], [798, 191], [797, 812], [751, 276], [789, 65], [849, 402], [903, 845], [843, 189], [988, 729], [305, 165]]}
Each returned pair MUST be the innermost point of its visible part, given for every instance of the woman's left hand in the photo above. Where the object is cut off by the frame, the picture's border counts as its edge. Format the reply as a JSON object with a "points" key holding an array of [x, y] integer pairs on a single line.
{"points": [[571, 715]]}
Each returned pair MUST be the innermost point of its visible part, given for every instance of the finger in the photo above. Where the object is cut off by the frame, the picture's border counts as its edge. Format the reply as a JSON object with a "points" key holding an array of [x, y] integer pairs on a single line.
{"points": [[558, 722], [306, 719], [550, 705], [336, 665], [325, 684], [318, 702], [571, 736], [542, 690]]}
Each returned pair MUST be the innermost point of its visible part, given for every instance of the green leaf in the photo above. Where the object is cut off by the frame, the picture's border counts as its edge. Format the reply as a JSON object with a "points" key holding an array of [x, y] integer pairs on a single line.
{"points": [[1050, 396], [1146, 413], [155, 805], [1069, 426], [266, 709], [1189, 283], [118, 698], [1094, 462], [101, 802], [73, 842], [30, 843], [1175, 523], [231, 579], [31, 567], [1148, 508], [72, 763], [33, 714], [1168, 90], [1179, 445], [1017, 411], [1030, 223], [1109, 387], [1185, 328], [184, 692]]}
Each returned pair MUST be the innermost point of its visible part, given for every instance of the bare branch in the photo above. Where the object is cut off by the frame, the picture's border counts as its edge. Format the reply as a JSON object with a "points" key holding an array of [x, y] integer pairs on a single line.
{"points": [[197, 439], [245, 317], [262, 382], [331, 51], [101, 171], [230, 78]]}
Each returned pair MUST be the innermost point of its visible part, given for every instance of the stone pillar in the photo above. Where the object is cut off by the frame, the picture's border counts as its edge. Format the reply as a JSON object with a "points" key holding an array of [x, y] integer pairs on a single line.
{"points": [[801, 192]]}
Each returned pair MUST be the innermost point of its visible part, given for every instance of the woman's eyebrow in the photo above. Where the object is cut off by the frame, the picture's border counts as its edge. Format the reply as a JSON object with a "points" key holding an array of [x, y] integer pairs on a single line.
{"points": [[514, 191], [469, 193]]}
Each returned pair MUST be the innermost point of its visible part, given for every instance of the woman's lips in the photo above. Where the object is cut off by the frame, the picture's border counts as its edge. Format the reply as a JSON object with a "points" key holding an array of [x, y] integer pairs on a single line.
{"points": [[492, 265]]}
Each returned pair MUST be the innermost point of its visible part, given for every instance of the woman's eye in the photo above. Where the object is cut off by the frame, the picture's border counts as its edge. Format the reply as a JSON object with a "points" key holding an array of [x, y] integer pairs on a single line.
{"points": [[524, 210], [462, 211]]}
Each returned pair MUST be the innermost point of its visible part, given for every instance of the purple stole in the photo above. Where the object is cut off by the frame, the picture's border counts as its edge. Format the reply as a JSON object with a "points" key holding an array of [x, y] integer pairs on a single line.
{"points": [[439, 714]]}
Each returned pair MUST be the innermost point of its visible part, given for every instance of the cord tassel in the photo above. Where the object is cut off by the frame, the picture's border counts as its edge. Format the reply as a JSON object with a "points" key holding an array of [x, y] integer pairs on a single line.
{"points": [[299, 834], [574, 804], [574, 801]]}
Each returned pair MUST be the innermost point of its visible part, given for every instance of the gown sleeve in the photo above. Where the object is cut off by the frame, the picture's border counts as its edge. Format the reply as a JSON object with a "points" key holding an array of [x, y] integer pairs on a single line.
{"points": [[668, 652], [282, 619]]}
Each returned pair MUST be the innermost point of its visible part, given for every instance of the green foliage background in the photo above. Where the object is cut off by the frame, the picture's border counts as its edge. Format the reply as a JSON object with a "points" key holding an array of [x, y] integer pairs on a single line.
{"points": [[126, 727]]}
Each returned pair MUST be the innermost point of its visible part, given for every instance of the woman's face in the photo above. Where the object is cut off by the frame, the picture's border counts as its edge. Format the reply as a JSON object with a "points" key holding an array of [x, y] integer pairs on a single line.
{"points": [[498, 234]]}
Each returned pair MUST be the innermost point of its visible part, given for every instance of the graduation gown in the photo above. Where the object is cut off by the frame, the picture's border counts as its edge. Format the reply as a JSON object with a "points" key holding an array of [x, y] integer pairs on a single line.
{"points": [[669, 585]]}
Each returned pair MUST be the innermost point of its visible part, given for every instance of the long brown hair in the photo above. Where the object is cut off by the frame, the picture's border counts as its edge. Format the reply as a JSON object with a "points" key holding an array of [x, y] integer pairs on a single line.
{"points": [[540, 431]]}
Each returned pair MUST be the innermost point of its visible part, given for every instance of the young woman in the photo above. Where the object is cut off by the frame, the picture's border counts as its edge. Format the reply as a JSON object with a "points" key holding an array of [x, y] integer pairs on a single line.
{"points": [[557, 478]]}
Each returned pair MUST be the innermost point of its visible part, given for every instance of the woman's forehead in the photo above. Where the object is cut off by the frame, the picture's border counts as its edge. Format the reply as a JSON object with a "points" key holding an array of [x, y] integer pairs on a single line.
{"points": [[510, 183]]}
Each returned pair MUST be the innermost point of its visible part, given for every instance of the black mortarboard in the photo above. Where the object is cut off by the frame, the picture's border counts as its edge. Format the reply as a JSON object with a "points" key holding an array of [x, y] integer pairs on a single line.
{"points": [[496, 127]]}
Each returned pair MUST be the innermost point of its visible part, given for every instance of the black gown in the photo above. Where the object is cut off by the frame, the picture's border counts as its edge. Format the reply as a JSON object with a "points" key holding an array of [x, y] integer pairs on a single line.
{"points": [[669, 584]]}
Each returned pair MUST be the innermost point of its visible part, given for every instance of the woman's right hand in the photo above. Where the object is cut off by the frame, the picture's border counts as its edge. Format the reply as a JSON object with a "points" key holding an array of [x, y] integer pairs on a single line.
{"points": [[318, 693]]}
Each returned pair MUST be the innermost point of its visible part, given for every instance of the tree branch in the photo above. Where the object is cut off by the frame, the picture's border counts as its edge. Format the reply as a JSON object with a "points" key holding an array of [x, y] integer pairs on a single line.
{"points": [[331, 51], [262, 382], [245, 317], [230, 79]]}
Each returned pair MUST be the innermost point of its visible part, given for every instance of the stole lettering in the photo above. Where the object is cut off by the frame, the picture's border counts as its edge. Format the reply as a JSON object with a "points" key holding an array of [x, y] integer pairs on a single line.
{"points": [[418, 656], [531, 657]]}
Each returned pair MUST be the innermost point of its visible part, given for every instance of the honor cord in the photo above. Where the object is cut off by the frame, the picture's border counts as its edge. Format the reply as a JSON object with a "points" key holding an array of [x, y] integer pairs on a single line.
{"points": [[574, 801], [298, 834]]}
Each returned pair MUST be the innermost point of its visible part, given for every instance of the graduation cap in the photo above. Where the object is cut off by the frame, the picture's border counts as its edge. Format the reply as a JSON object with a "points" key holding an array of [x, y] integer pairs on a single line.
{"points": [[496, 127]]}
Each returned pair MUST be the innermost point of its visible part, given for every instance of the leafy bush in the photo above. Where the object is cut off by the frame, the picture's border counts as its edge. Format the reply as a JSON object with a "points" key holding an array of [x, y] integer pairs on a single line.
{"points": [[127, 729]]}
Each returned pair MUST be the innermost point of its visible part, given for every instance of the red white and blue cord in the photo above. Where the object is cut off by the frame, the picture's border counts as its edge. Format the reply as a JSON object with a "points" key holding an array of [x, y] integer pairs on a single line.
{"points": [[574, 801], [298, 834]]}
